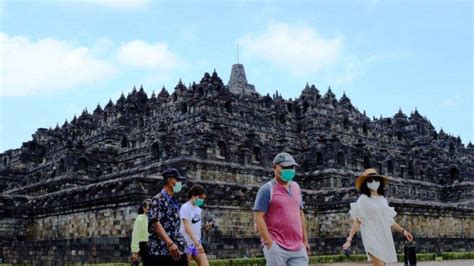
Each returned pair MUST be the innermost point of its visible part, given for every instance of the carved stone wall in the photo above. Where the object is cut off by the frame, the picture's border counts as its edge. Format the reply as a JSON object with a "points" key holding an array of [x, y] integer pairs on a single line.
{"points": [[71, 193]]}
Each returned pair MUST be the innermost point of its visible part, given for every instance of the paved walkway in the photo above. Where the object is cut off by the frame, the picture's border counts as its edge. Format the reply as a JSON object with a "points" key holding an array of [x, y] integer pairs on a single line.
{"points": [[421, 263]]}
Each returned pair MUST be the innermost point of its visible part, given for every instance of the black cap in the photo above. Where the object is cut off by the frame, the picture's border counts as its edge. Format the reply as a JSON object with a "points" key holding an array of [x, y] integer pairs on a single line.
{"points": [[172, 172]]}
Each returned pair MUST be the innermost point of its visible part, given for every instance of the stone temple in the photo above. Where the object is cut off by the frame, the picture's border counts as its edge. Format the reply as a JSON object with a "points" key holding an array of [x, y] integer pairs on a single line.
{"points": [[71, 193]]}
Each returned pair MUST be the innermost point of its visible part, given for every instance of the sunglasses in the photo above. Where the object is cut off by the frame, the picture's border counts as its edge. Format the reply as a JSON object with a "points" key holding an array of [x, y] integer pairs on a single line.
{"points": [[374, 178]]}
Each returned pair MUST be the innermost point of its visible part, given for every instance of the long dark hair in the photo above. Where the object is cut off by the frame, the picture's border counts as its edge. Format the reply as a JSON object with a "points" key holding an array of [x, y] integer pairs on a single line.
{"points": [[364, 189], [145, 204]]}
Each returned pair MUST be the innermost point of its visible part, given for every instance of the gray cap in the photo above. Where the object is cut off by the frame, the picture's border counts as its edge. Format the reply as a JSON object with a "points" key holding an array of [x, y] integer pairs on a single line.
{"points": [[285, 159]]}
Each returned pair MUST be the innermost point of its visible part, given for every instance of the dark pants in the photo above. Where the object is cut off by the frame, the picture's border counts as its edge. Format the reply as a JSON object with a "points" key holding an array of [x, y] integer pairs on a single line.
{"points": [[143, 252], [152, 260]]}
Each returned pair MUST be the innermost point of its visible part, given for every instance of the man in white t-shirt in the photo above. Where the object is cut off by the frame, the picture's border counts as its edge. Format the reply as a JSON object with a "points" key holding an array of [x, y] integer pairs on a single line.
{"points": [[190, 215]]}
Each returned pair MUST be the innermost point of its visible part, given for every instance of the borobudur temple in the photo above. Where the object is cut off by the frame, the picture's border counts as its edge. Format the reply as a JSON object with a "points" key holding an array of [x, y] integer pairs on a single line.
{"points": [[71, 193]]}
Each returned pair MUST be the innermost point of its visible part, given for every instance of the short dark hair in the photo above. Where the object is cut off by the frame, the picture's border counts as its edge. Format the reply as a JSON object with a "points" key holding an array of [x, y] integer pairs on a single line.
{"points": [[196, 190], [364, 189]]}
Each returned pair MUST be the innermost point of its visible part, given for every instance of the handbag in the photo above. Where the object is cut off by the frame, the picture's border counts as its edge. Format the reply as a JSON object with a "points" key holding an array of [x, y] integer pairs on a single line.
{"points": [[410, 253]]}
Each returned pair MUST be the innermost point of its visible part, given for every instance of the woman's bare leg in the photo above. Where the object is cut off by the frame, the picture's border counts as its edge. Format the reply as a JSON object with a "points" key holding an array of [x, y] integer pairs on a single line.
{"points": [[201, 259], [376, 261], [190, 259]]}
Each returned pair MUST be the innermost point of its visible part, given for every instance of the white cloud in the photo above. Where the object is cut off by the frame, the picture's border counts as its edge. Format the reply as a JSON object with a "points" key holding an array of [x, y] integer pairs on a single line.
{"points": [[33, 67], [147, 55], [303, 52], [121, 3], [297, 48], [449, 102]]}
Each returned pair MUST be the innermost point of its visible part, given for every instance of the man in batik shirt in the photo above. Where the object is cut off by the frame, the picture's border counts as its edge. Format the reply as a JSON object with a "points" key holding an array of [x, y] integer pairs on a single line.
{"points": [[166, 245]]}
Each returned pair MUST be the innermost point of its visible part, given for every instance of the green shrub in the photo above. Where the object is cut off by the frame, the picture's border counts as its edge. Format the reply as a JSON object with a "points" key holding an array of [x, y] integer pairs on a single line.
{"points": [[342, 258], [260, 261], [425, 256], [457, 255]]}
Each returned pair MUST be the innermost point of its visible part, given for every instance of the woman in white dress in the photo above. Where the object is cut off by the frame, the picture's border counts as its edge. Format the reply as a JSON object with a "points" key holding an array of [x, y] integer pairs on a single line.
{"points": [[375, 218]]}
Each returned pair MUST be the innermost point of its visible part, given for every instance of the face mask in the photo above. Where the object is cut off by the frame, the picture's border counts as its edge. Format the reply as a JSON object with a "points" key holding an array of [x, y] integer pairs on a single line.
{"points": [[287, 174], [199, 202], [177, 187], [373, 185]]}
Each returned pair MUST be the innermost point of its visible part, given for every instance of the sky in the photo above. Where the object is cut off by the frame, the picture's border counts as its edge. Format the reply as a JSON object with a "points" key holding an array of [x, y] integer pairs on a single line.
{"points": [[59, 57]]}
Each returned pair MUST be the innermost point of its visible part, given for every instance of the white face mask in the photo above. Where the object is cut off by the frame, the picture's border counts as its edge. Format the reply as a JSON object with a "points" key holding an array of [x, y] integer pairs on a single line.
{"points": [[374, 185]]}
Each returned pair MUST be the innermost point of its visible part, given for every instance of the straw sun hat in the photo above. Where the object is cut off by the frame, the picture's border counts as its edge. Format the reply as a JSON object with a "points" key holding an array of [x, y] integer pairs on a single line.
{"points": [[371, 172]]}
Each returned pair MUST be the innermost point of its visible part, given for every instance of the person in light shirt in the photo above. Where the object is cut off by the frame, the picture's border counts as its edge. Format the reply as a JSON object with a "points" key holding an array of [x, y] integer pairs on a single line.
{"points": [[140, 233], [375, 218], [191, 225]]}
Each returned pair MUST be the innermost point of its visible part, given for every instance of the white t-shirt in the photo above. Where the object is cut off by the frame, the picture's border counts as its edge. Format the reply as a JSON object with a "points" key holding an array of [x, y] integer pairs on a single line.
{"points": [[377, 217], [192, 213]]}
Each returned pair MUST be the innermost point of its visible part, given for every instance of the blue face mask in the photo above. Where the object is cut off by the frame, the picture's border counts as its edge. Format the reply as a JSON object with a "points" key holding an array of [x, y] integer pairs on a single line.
{"points": [[287, 174], [199, 202], [177, 187]]}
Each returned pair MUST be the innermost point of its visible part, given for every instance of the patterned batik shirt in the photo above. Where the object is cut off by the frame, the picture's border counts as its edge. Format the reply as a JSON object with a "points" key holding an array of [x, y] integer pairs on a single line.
{"points": [[165, 209]]}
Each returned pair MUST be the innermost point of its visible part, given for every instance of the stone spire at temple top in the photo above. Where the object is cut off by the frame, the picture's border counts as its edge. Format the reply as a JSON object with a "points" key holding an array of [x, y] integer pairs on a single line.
{"points": [[238, 81]]}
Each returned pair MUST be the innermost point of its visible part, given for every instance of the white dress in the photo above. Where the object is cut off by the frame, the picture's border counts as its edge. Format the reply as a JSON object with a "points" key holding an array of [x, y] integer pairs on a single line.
{"points": [[377, 219]]}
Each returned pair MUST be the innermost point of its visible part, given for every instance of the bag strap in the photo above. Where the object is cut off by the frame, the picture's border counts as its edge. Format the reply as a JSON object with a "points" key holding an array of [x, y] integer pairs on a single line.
{"points": [[271, 183]]}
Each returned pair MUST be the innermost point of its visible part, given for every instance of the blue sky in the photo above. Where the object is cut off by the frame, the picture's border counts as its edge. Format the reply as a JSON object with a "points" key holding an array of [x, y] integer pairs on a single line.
{"points": [[59, 57]]}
